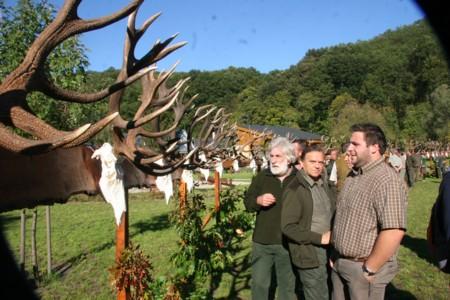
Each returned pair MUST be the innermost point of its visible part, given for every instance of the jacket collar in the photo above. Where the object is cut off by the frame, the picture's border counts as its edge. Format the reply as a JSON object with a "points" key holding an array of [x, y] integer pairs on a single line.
{"points": [[368, 167]]}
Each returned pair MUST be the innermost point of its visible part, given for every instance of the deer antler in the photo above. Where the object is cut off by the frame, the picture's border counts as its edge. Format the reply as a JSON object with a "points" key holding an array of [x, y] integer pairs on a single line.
{"points": [[214, 130], [30, 76], [156, 100]]}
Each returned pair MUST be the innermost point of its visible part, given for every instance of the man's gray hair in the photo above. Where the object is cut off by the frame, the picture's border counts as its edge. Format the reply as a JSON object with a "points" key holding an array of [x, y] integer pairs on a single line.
{"points": [[286, 147]]}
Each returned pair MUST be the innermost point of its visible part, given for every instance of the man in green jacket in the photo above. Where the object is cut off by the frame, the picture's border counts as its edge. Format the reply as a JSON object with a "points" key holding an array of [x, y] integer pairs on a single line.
{"points": [[264, 197], [306, 216]]}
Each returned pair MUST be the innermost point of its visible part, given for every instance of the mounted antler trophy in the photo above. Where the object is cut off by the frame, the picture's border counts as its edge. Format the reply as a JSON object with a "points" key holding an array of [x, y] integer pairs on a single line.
{"points": [[157, 99]]}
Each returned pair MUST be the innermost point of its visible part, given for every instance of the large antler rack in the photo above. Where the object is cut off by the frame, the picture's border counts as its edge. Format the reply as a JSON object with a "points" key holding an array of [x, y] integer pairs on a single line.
{"points": [[212, 137], [31, 76], [156, 99]]}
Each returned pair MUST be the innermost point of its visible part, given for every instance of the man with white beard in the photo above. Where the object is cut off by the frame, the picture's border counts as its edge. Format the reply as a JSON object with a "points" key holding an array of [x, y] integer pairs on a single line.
{"points": [[264, 197]]}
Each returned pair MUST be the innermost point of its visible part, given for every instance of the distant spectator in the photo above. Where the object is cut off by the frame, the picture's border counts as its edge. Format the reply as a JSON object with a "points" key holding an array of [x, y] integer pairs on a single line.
{"points": [[411, 165], [299, 146], [343, 166], [331, 157], [395, 160]]}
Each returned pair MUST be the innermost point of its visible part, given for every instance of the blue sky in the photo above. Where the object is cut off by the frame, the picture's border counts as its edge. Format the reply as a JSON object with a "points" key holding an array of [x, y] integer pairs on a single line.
{"points": [[264, 34]]}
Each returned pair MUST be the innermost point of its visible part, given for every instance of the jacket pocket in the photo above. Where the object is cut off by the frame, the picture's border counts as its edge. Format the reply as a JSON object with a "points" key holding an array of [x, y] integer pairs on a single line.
{"points": [[303, 256]]}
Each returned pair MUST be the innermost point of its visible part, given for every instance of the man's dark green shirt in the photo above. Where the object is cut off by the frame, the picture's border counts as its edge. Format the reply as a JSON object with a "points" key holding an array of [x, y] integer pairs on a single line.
{"points": [[268, 219]]}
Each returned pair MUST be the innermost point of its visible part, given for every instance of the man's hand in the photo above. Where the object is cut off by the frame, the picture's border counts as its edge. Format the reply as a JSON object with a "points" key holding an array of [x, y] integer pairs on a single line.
{"points": [[266, 200], [326, 238]]}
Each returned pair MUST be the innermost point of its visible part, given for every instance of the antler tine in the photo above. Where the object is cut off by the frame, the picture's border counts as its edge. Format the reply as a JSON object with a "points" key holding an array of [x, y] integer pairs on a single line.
{"points": [[47, 87], [157, 170], [132, 38], [152, 85], [199, 116], [157, 52], [30, 76], [179, 110], [16, 143], [145, 119], [92, 131]]}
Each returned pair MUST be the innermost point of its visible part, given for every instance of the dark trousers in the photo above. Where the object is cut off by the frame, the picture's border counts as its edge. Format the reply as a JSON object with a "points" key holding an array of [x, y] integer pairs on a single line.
{"points": [[314, 280], [265, 258], [349, 281]]}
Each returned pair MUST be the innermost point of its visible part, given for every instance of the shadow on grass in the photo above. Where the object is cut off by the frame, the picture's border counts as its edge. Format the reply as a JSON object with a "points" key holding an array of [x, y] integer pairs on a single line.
{"points": [[240, 278], [154, 224], [419, 246], [6, 219], [392, 293], [63, 267]]}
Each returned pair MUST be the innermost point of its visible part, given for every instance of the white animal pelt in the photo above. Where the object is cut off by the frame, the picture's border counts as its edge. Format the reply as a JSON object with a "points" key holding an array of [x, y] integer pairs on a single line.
{"points": [[264, 163], [236, 165], [164, 183], [188, 177], [219, 167], [253, 165], [204, 172], [111, 180]]}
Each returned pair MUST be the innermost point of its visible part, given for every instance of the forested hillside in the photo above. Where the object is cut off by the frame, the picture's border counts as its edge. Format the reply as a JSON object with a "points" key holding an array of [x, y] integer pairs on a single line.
{"points": [[399, 80]]}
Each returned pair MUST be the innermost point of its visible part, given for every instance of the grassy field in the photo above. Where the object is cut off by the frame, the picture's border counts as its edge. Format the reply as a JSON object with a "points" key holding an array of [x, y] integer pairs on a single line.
{"points": [[83, 246]]}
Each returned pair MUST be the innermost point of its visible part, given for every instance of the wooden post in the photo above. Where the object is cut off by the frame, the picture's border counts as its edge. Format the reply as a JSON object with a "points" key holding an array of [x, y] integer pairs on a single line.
{"points": [[217, 194], [122, 243], [49, 240], [182, 192], [34, 262], [22, 239]]}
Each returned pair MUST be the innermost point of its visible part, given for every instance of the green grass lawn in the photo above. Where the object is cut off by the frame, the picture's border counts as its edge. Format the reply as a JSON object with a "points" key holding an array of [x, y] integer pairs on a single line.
{"points": [[83, 236]]}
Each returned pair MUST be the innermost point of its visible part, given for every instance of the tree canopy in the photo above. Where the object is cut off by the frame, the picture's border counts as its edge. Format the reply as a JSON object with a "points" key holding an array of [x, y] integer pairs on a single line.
{"points": [[399, 79]]}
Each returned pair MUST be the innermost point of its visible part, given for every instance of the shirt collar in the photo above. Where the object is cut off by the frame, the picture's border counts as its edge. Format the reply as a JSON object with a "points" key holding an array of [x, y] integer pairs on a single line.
{"points": [[368, 167], [311, 182]]}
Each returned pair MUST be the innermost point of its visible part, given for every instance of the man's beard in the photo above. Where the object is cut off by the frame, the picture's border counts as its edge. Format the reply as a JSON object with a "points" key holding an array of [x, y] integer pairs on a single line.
{"points": [[280, 169]]}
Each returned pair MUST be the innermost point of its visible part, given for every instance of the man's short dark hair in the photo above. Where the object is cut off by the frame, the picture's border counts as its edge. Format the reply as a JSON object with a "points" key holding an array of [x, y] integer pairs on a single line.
{"points": [[300, 142], [373, 135], [311, 148], [344, 147]]}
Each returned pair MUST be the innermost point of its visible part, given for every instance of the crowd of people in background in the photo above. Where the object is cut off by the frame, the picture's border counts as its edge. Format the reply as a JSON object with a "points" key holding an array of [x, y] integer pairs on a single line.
{"points": [[411, 165]]}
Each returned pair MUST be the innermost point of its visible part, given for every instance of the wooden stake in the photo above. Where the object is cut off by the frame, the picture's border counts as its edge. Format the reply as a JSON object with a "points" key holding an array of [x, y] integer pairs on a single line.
{"points": [[217, 194], [33, 245], [122, 243], [49, 240], [182, 192], [22, 239]]}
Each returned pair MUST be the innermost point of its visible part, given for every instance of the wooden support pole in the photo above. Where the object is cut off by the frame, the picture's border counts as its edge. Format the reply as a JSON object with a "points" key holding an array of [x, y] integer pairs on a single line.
{"points": [[217, 184], [23, 219], [49, 239], [122, 243], [34, 262], [182, 192]]}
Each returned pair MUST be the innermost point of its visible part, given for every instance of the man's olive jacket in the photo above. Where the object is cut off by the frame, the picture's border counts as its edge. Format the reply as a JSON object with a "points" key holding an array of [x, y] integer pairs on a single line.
{"points": [[296, 219]]}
